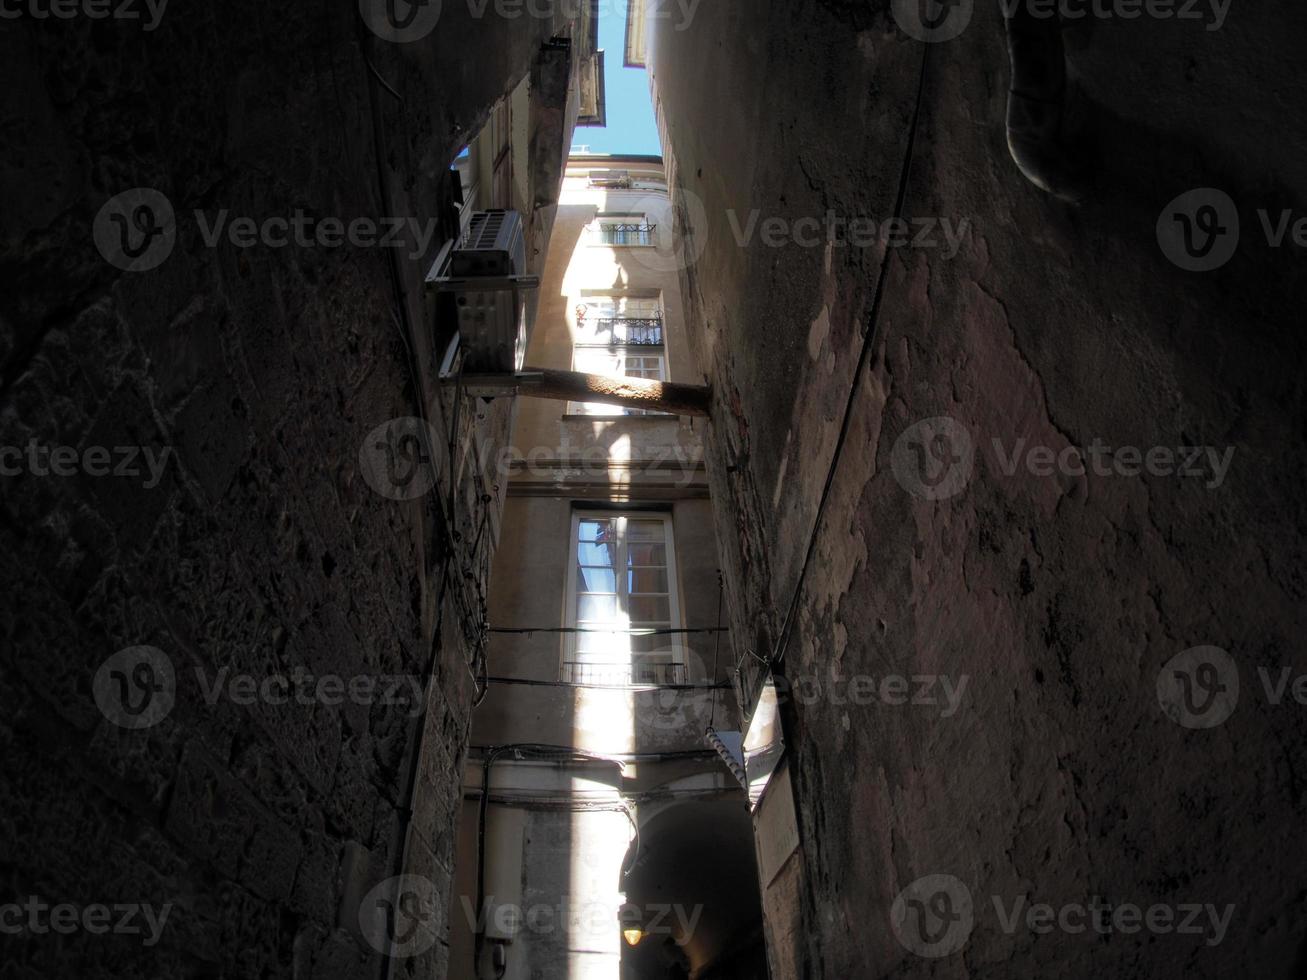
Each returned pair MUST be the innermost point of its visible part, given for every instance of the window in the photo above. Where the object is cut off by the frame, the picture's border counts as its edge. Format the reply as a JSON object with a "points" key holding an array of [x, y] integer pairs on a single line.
{"points": [[622, 228], [485, 166], [621, 587], [619, 337]]}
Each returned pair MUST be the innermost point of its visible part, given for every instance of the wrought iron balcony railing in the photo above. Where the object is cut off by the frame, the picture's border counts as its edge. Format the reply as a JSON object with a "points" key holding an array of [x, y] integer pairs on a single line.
{"points": [[627, 234], [639, 330], [624, 674]]}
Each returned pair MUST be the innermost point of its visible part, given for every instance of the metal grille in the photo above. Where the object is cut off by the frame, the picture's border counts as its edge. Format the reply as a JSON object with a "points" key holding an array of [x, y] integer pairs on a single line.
{"points": [[627, 234], [642, 331], [623, 674]]}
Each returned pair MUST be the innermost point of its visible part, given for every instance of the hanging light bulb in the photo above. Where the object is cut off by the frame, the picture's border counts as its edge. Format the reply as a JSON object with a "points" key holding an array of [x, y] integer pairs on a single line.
{"points": [[632, 924]]}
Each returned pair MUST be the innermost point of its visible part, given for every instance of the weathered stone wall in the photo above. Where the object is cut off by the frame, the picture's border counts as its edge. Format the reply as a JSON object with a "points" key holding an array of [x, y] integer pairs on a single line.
{"points": [[1060, 598], [262, 548]]}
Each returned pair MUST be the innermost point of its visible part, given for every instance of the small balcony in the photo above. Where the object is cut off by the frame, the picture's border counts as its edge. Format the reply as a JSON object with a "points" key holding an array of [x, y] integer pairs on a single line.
{"points": [[627, 234], [641, 672], [630, 330]]}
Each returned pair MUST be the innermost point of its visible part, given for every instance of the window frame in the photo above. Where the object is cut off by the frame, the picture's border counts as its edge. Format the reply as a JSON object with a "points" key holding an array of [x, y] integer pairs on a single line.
{"points": [[643, 229], [612, 306], [674, 653]]}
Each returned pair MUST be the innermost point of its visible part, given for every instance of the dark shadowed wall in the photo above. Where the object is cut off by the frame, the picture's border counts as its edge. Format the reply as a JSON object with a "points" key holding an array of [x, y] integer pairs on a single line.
{"points": [[1059, 591], [270, 544]]}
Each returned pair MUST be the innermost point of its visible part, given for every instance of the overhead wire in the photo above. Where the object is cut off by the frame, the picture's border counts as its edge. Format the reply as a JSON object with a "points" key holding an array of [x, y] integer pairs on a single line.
{"points": [[872, 331]]}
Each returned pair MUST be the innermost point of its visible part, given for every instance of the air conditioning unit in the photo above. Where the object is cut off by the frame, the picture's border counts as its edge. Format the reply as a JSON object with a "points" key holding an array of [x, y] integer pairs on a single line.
{"points": [[484, 275]]}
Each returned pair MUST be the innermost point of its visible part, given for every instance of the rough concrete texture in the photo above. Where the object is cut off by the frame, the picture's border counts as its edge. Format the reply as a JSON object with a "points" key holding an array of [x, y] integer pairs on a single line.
{"points": [[262, 549], [1060, 778]]}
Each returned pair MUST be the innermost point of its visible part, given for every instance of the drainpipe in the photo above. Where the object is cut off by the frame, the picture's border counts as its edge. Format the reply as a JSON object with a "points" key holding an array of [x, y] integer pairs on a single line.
{"points": [[1036, 104]]}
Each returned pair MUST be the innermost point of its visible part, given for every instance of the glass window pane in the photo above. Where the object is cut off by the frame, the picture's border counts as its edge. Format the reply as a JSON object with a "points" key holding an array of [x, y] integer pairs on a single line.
{"points": [[659, 645], [596, 543], [597, 360], [595, 579], [602, 644], [640, 305], [644, 530], [647, 554], [650, 609], [647, 580], [595, 608]]}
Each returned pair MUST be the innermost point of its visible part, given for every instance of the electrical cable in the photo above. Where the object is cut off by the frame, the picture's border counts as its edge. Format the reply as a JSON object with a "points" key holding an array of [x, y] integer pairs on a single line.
{"points": [[534, 682], [717, 647], [635, 631], [551, 752], [778, 653]]}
